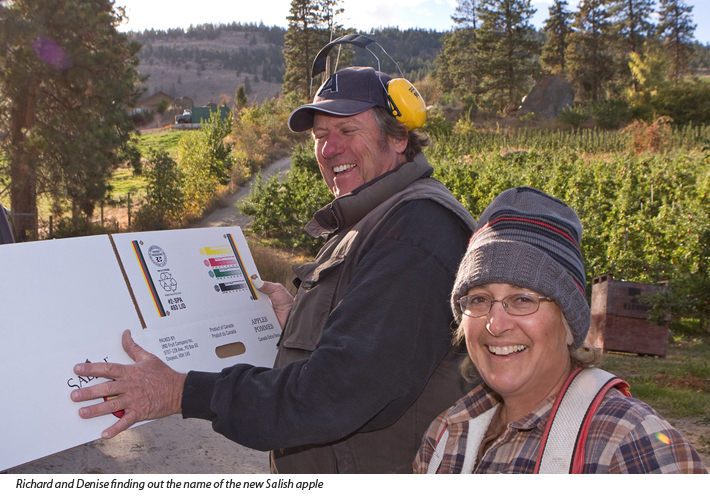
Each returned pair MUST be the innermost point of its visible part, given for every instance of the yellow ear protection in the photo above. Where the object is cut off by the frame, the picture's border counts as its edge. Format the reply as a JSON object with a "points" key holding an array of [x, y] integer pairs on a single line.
{"points": [[404, 102]]}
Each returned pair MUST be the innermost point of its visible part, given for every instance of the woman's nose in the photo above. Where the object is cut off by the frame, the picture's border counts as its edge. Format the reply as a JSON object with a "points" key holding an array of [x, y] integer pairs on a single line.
{"points": [[498, 319]]}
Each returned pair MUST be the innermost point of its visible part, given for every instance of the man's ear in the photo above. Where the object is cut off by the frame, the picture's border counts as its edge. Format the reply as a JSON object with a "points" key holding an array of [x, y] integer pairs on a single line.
{"points": [[400, 145]]}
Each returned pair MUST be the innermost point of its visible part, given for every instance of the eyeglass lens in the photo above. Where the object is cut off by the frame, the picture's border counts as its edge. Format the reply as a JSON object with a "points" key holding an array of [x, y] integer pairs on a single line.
{"points": [[517, 304]]}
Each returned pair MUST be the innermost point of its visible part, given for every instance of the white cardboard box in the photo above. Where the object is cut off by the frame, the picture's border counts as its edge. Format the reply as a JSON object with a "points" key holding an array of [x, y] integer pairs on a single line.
{"points": [[184, 294]]}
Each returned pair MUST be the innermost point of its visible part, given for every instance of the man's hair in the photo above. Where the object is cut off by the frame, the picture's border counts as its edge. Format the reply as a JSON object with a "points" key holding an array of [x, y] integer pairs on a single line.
{"points": [[390, 127]]}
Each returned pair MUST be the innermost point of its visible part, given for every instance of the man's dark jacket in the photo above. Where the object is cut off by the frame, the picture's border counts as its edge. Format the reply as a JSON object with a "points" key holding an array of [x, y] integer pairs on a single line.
{"points": [[365, 361]]}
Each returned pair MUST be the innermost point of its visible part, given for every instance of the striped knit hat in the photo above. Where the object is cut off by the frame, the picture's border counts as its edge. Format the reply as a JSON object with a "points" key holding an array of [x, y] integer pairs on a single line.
{"points": [[529, 239]]}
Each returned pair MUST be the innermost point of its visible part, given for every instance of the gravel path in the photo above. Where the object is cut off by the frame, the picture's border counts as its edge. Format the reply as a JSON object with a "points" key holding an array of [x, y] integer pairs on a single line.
{"points": [[227, 215], [173, 444]]}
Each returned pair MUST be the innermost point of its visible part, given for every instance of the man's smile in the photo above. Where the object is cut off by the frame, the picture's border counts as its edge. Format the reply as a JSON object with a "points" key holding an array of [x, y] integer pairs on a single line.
{"points": [[341, 168]]}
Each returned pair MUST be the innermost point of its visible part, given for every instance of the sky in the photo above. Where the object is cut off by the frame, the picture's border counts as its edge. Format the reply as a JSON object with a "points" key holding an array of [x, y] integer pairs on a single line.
{"points": [[360, 14]]}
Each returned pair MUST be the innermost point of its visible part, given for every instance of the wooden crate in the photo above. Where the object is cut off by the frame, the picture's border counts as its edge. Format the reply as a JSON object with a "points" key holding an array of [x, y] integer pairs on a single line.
{"points": [[619, 319]]}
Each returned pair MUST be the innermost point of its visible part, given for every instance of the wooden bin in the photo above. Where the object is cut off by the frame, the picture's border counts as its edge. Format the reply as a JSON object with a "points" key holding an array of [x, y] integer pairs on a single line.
{"points": [[620, 321]]}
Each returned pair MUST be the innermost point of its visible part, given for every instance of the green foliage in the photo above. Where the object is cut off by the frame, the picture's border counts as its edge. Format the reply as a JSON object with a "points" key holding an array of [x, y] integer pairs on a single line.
{"points": [[457, 61], [574, 116], [640, 212], [414, 49], [78, 226], [260, 132], [686, 102], [558, 30], [164, 194], [675, 386], [590, 55], [507, 53], [240, 98], [437, 126], [311, 25], [220, 160], [163, 106], [67, 78], [282, 208], [676, 402], [611, 114], [686, 297], [194, 160], [649, 72], [675, 29], [165, 141]]}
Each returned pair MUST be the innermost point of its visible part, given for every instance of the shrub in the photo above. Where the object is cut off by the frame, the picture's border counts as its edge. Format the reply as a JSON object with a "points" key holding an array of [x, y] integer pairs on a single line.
{"points": [[164, 194], [282, 208], [193, 159], [469, 106], [573, 116], [653, 138], [261, 135], [686, 102], [611, 114], [79, 226]]}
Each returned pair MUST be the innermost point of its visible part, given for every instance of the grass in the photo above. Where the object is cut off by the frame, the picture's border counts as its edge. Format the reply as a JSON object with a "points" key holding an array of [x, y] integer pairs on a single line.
{"points": [[165, 140], [123, 181], [677, 386], [274, 264]]}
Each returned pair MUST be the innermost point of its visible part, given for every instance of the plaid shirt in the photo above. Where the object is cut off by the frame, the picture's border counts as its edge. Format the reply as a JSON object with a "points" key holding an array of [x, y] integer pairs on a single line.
{"points": [[625, 436]]}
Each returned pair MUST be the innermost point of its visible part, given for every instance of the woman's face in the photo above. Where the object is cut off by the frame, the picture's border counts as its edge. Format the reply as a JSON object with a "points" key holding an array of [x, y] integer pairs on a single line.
{"points": [[523, 358]]}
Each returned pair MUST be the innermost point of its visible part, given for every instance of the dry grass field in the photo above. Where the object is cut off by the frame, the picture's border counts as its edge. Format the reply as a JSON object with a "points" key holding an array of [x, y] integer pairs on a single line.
{"points": [[211, 84]]}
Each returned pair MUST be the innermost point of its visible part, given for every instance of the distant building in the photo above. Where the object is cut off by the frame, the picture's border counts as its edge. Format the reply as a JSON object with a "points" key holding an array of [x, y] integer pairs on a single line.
{"points": [[151, 103]]}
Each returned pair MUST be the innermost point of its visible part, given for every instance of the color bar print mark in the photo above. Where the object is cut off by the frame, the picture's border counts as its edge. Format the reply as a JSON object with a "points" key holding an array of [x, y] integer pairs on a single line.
{"points": [[148, 280], [217, 250], [222, 262], [227, 272], [240, 262]]}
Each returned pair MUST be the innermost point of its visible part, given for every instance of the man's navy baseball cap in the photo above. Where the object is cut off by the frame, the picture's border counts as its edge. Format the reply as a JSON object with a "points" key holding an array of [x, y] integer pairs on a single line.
{"points": [[347, 92]]}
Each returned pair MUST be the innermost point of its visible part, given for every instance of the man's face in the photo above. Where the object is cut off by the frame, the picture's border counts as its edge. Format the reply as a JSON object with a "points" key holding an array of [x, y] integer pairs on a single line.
{"points": [[351, 150]]}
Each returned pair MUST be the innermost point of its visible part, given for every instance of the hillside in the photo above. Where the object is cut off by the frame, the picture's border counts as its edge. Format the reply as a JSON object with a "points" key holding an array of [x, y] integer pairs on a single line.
{"points": [[207, 63], [211, 69]]}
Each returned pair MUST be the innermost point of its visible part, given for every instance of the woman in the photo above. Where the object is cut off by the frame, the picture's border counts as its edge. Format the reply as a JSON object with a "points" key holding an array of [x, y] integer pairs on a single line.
{"points": [[520, 301]]}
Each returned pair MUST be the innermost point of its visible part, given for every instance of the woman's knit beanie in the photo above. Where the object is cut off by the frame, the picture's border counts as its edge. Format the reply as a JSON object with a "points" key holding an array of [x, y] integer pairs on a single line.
{"points": [[531, 240]]}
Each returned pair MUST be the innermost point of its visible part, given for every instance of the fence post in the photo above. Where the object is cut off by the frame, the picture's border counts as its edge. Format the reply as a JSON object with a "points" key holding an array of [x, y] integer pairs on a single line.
{"points": [[51, 228], [129, 210]]}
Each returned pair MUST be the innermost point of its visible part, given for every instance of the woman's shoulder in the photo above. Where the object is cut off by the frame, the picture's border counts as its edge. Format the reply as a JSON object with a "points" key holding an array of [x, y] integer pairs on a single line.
{"points": [[628, 436]]}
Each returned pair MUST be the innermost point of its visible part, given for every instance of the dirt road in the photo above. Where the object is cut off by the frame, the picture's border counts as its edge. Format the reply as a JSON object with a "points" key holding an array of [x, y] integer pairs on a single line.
{"points": [[170, 445]]}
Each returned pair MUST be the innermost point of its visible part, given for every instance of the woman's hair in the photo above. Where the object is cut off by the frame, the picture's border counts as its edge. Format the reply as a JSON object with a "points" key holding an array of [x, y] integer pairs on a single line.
{"points": [[584, 356], [390, 127]]}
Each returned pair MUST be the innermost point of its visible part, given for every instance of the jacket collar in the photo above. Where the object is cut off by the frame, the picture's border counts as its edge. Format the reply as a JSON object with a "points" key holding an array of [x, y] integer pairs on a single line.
{"points": [[349, 209]]}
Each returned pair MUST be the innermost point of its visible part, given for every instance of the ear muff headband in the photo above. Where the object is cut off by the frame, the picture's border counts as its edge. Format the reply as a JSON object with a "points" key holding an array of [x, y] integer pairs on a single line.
{"points": [[405, 102]]}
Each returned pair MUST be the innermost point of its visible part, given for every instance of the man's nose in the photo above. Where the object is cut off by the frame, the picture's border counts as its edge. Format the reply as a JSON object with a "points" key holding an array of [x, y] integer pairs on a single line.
{"points": [[332, 147]]}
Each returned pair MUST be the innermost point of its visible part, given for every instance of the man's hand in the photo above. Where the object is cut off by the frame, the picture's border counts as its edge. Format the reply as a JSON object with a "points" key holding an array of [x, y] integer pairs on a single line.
{"points": [[148, 389], [281, 299]]}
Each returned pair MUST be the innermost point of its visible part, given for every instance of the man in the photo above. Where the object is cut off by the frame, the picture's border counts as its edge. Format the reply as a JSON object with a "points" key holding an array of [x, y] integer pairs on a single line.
{"points": [[365, 360]]}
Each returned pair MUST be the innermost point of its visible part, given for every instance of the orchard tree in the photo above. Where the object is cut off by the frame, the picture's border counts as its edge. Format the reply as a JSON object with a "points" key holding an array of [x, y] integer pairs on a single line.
{"points": [[67, 81], [675, 29], [557, 29], [506, 51]]}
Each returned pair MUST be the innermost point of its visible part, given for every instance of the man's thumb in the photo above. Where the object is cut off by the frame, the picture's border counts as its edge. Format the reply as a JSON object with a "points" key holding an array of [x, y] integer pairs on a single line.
{"points": [[134, 351]]}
